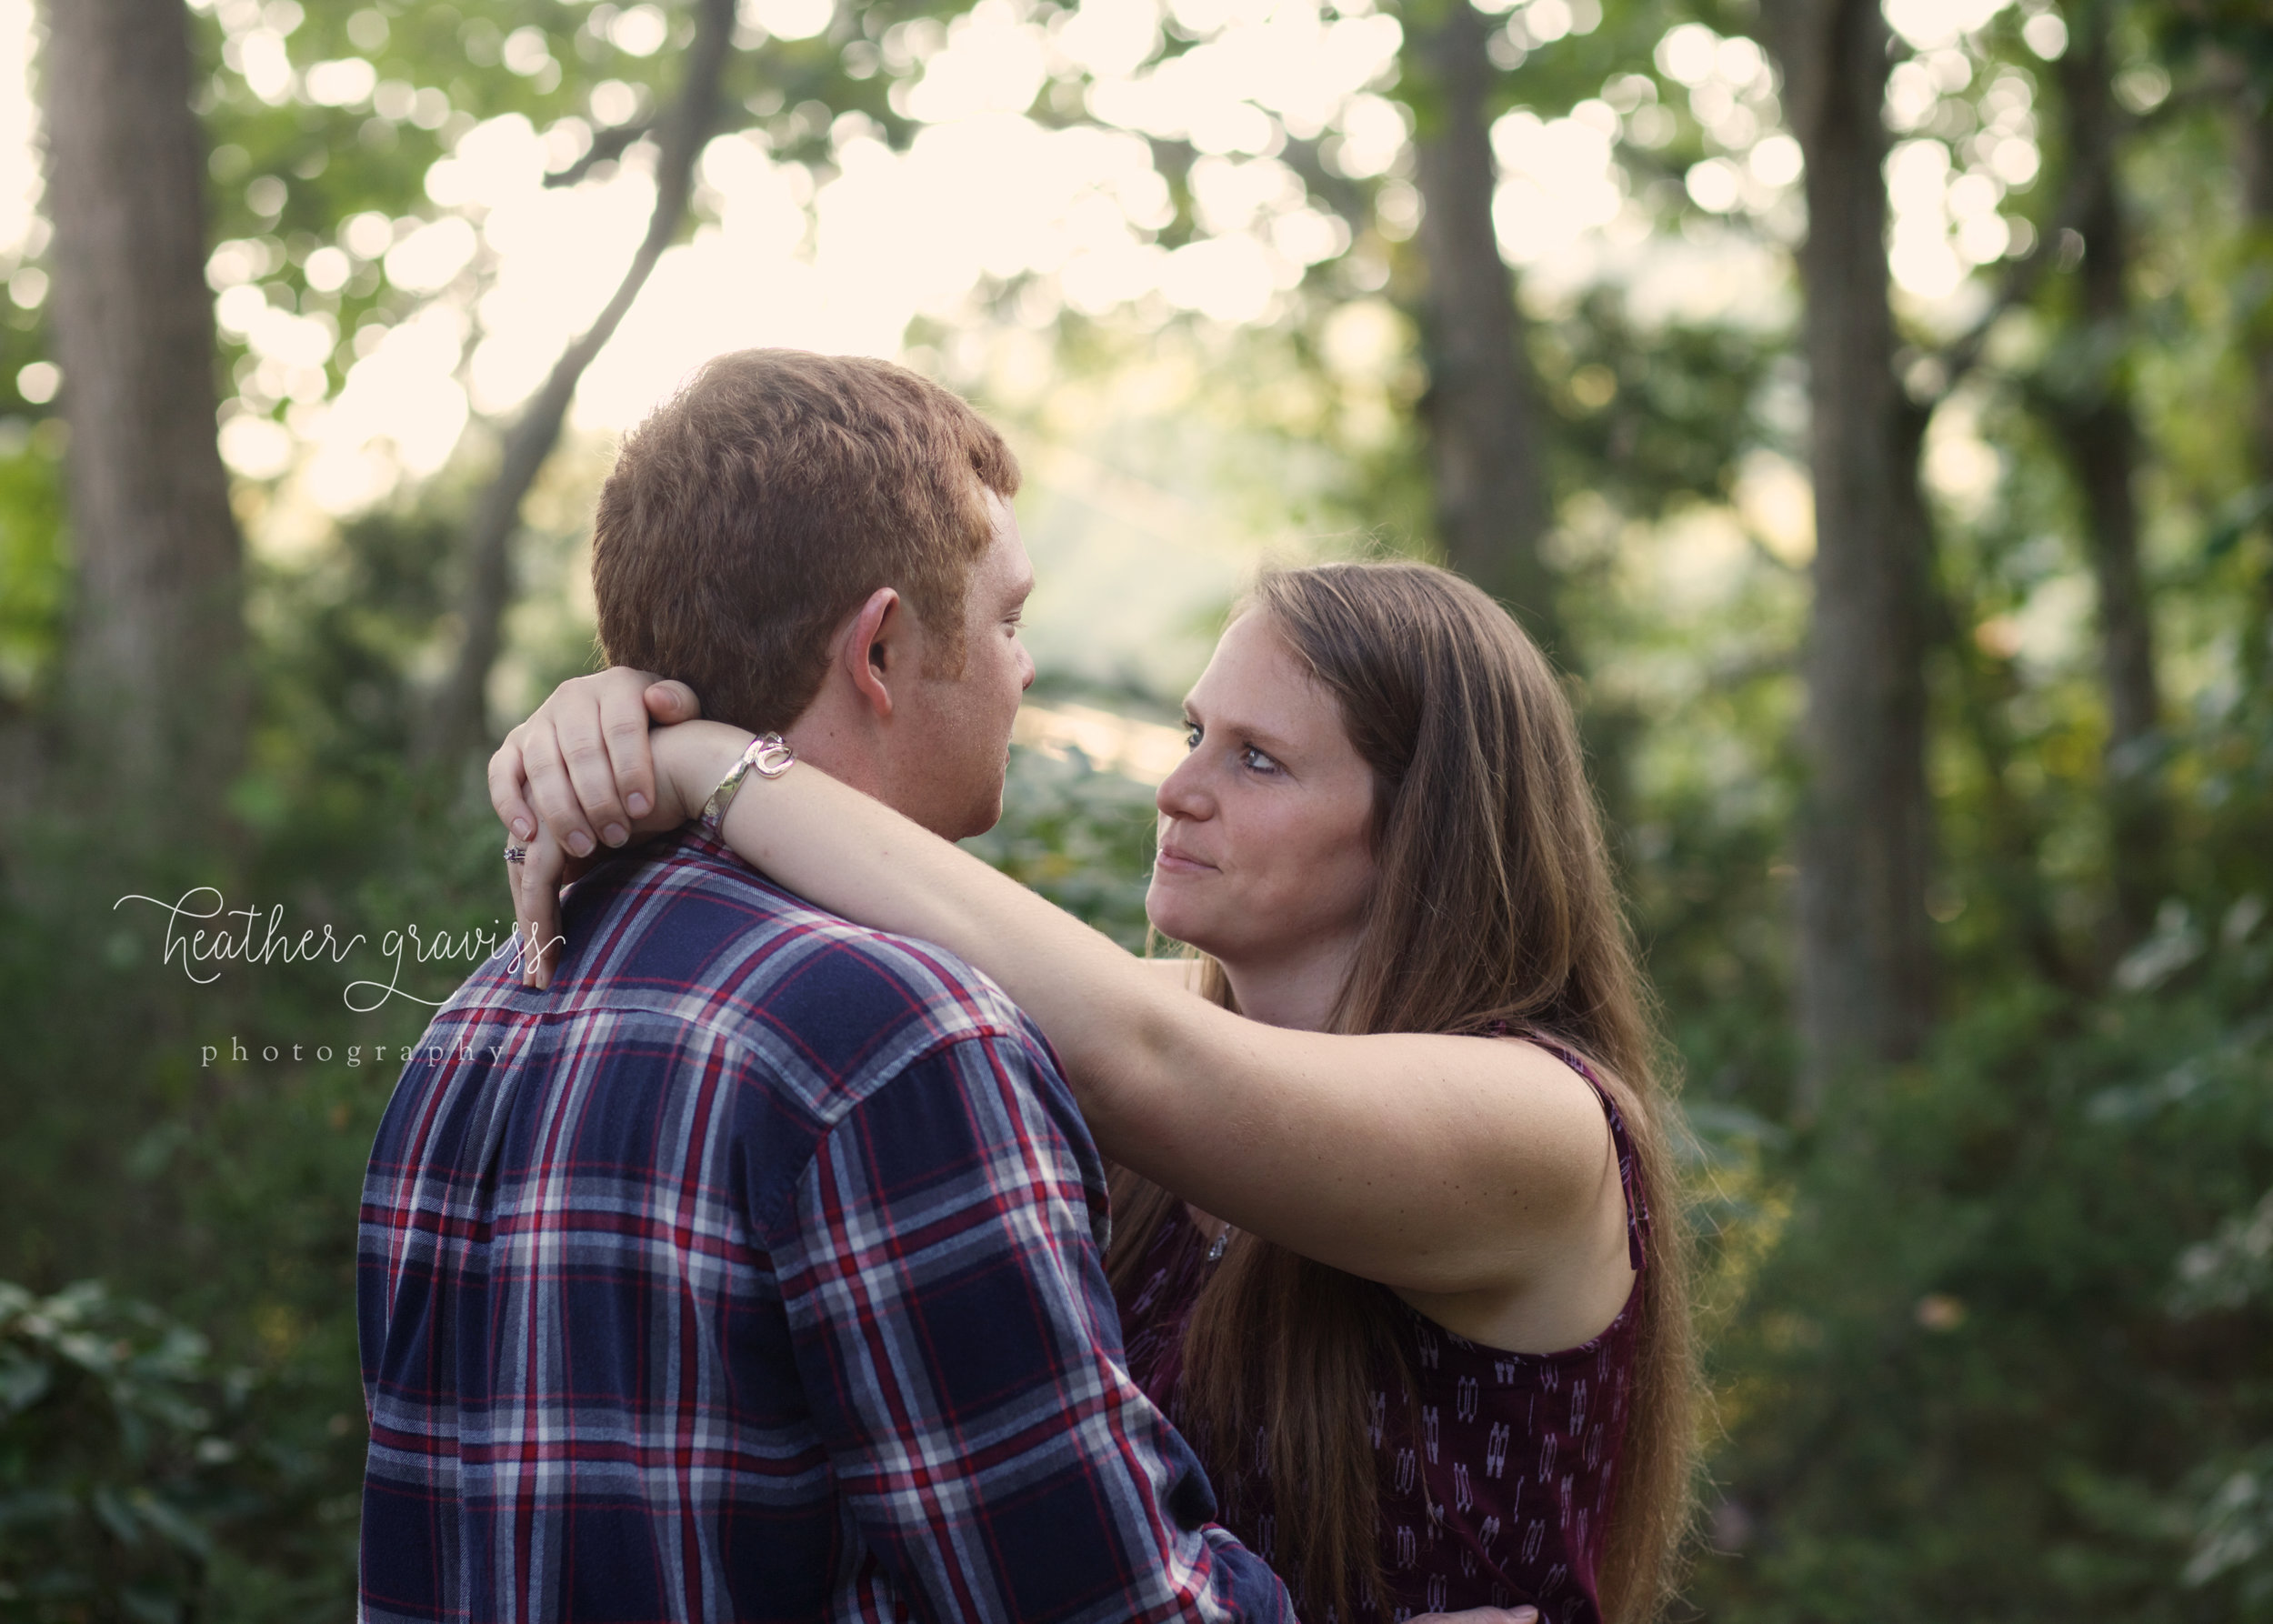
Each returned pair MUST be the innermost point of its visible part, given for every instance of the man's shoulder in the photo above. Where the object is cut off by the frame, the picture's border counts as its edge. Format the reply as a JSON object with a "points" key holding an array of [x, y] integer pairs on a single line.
{"points": [[689, 929]]}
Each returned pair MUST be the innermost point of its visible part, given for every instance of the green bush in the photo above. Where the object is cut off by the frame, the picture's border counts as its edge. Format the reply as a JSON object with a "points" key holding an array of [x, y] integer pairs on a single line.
{"points": [[2005, 1358], [1081, 837], [118, 1448]]}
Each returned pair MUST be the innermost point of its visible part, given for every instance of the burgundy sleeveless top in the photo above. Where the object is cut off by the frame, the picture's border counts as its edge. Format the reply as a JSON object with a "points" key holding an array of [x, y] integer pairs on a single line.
{"points": [[1499, 1491]]}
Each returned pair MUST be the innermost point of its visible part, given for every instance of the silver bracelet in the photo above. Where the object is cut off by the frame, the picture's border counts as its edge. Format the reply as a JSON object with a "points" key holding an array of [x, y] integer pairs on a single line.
{"points": [[768, 755]]}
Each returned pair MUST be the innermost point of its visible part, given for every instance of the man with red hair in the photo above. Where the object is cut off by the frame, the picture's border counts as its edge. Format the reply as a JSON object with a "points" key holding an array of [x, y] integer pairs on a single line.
{"points": [[750, 1271]]}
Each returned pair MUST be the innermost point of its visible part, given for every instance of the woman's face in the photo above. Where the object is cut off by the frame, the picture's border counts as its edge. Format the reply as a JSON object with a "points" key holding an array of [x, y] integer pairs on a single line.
{"points": [[1266, 858]]}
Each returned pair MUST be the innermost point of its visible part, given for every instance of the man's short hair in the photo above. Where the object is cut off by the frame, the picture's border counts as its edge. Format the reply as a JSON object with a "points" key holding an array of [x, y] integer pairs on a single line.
{"points": [[758, 508]]}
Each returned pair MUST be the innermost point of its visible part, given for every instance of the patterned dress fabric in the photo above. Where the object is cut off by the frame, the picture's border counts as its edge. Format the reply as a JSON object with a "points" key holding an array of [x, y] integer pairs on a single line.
{"points": [[752, 1273], [1497, 1469]]}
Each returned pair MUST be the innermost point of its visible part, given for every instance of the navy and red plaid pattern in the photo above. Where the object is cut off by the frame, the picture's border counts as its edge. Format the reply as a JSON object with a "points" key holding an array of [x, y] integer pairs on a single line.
{"points": [[752, 1272]]}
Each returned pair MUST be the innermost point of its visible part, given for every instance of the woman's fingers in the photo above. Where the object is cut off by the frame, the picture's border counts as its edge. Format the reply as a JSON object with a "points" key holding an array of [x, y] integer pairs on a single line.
{"points": [[1483, 1615], [623, 704], [583, 727], [506, 785], [537, 908], [582, 765], [550, 791]]}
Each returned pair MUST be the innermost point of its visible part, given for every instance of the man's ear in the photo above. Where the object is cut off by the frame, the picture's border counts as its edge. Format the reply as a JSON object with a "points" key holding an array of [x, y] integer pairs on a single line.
{"points": [[868, 652]]}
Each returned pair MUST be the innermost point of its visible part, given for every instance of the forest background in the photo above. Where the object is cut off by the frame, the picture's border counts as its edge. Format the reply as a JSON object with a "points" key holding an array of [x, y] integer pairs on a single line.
{"points": [[1870, 406]]}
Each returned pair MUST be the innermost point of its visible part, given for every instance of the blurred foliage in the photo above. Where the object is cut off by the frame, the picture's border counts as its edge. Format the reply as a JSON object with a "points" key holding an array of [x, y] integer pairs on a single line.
{"points": [[1081, 837], [125, 1455], [101, 1446], [314, 182], [2227, 1276], [1963, 1382], [33, 571]]}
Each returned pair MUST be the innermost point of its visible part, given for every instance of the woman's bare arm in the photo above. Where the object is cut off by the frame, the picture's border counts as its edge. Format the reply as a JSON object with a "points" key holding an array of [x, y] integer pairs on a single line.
{"points": [[1437, 1164]]}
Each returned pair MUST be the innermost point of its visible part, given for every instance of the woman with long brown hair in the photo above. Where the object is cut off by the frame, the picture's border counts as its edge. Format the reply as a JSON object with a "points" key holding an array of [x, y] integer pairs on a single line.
{"points": [[1397, 1239]]}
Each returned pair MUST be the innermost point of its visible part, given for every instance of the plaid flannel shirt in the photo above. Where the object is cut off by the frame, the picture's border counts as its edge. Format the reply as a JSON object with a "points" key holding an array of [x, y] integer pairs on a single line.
{"points": [[752, 1272]]}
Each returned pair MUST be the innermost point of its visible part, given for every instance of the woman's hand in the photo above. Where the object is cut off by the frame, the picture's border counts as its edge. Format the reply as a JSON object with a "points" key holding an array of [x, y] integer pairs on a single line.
{"points": [[585, 761], [1483, 1615], [688, 760]]}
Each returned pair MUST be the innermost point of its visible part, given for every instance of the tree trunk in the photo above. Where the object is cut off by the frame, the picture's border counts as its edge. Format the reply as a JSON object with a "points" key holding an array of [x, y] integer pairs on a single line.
{"points": [[2089, 406], [1487, 458], [1864, 980], [459, 720], [155, 671]]}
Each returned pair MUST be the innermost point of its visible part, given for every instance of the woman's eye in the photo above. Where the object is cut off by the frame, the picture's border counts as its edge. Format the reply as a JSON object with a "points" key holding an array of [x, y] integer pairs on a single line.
{"points": [[1256, 761], [1192, 735]]}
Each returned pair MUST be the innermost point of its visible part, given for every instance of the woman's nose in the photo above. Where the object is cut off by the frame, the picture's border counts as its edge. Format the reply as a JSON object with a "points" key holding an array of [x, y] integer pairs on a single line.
{"points": [[1180, 794]]}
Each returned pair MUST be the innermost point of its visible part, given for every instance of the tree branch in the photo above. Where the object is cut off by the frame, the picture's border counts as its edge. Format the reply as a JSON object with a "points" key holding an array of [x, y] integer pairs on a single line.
{"points": [[607, 146], [456, 723]]}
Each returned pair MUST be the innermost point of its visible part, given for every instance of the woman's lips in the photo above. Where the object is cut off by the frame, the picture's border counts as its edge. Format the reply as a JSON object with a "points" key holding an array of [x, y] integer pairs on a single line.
{"points": [[1173, 861]]}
